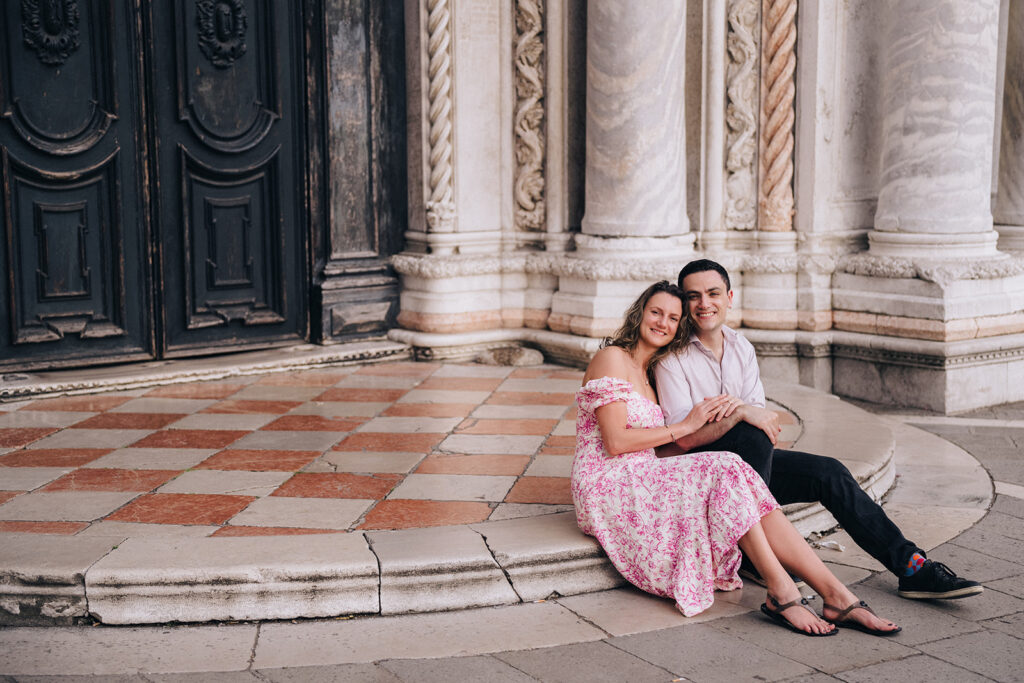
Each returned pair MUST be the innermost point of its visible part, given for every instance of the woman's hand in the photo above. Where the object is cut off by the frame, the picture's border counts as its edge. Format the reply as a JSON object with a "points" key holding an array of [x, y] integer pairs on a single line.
{"points": [[703, 412]]}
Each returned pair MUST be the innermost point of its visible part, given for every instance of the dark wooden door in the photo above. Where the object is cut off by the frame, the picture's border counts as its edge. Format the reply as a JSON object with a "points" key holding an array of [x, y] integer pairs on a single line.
{"points": [[75, 275], [227, 95], [152, 172]]}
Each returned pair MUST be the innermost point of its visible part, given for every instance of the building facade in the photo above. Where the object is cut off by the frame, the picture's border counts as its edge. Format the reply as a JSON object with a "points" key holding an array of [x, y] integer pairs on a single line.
{"points": [[465, 175]]}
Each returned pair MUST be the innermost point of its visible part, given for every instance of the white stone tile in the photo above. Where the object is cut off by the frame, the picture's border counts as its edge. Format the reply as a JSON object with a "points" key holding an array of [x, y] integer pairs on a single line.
{"points": [[146, 404], [472, 370], [365, 461], [307, 513], [339, 408], [271, 392], [628, 610], [14, 405], [520, 510], [136, 530], [247, 421], [551, 386], [42, 418], [410, 425], [153, 458], [453, 487], [107, 652], [547, 412], [443, 396], [550, 466], [28, 478], [565, 428], [378, 382], [492, 443], [1006, 489], [444, 634], [64, 506], [91, 438], [295, 441], [233, 483]]}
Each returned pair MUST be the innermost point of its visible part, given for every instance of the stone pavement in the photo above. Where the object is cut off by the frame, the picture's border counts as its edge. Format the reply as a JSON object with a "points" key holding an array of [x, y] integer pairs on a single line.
{"points": [[621, 634]]}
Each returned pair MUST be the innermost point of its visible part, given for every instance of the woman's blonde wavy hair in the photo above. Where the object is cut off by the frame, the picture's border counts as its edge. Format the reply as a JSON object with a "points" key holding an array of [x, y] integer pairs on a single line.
{"points": [[628, 335]]}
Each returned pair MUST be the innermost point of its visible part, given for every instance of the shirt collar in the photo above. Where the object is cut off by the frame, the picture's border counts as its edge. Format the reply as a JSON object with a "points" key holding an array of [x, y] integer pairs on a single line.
{"points": [[729, 334]]}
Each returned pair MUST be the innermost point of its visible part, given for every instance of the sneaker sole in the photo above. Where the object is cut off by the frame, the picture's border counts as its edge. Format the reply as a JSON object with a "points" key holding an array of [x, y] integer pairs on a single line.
{"points": [[948, 595]]}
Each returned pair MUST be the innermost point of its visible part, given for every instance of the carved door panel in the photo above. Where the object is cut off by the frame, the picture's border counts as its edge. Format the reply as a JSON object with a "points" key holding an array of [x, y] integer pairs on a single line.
{"points": [[227, 94], [73, 283]]}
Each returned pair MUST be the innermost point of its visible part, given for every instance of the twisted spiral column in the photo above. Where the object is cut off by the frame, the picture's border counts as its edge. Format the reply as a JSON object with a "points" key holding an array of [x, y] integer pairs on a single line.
{"points": [[440, 204], [778, 63], [1008, 212]]}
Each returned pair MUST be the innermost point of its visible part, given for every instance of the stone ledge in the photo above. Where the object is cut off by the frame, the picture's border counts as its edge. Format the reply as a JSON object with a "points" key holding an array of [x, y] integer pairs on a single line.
{"points": [[139, 580]]}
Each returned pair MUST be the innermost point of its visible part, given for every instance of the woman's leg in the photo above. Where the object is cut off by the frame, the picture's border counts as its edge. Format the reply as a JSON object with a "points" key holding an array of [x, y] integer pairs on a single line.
{"points": [[755, 546], [792, 552]]}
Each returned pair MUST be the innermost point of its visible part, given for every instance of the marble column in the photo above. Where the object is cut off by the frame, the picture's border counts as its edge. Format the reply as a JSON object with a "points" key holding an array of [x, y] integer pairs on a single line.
{"points": [[636, 165], [1009, 208], [938, 124]]}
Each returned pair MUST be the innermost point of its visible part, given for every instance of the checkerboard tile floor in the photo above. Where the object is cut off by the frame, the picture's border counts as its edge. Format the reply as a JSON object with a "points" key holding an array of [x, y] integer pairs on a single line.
{"points": [[388, 446]]}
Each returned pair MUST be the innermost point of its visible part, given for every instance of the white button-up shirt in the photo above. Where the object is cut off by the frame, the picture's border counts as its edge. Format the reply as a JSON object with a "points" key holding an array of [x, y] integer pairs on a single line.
{"points": [[688, 377]]}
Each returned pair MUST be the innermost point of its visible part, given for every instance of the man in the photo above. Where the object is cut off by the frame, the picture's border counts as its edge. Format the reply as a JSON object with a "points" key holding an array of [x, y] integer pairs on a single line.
{"points": [[718, 360]]}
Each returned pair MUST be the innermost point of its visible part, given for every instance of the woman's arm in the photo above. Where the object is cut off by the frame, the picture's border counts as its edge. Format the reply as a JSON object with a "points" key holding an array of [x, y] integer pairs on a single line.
{"points": [[619, 438]]}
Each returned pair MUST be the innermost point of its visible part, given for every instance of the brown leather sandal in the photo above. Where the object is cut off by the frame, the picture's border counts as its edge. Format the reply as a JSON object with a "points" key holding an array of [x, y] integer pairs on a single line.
{"points": [[843, 620], [775, 614]]}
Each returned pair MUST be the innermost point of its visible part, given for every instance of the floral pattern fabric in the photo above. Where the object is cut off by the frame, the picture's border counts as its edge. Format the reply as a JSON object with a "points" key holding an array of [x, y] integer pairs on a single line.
{"points": [[669, 525]]}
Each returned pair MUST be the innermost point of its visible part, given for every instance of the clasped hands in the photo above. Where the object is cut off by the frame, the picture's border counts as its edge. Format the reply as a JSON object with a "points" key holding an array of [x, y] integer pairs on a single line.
{"points": [[717, 408]]}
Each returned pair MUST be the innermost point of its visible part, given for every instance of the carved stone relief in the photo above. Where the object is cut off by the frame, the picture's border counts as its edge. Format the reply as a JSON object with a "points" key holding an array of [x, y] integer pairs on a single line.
{"points": [[741, 114], [529, 115]]}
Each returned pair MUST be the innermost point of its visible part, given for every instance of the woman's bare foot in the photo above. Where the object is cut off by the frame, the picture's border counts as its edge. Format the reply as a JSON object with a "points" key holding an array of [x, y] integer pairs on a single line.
{"points": [[802, 619], [858, 615]]}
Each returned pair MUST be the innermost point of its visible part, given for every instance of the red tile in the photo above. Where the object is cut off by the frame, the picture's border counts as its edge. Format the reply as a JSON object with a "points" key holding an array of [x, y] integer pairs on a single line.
{"points": [[52, 457], [309, 378], [528, 373], [529, 398], [258, 460], [198, 390], [567, 374], [129, 421], [461, 383], [429, 409], [508, 465], [411, 514], [238, 406], [338, 485], [15, 437], [561, 441], [548, 450], [268, 531], [380, 441], [88, 479], [476, 425], [399, 369], [7, 495], [314, 423], [61, 528], [362, 395], [87, 404], [190, 438], [181, 508], [550, 490], [572, 414]]}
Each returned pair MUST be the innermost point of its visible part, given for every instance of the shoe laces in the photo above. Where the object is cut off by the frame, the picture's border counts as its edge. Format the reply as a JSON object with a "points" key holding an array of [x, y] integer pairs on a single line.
{"points": [[943, 570]]}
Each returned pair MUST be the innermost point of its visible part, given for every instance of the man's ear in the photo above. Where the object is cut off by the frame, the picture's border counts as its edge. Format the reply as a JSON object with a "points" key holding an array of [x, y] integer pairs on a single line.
{"points": [[730, 298]]}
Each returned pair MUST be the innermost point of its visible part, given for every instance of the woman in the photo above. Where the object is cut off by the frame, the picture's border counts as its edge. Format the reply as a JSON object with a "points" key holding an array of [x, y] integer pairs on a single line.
{"points": [[671, 526]]}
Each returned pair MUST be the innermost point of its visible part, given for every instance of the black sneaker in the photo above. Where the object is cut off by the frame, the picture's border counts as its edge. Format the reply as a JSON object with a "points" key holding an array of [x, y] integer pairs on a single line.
{"points": [[749, 572], [935, 580]]}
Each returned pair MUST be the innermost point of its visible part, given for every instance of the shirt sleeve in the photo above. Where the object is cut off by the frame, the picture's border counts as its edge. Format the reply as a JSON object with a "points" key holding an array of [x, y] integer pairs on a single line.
{"points": [[753, 390], [673, 389]]}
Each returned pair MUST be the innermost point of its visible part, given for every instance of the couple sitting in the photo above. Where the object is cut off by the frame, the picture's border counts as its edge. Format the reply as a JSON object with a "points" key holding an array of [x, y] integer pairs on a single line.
{"points": [[675, 526]]}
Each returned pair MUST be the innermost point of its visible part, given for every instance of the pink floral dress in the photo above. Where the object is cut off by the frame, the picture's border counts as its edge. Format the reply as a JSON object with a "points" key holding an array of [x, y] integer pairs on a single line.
{"points": [[669, 525]]}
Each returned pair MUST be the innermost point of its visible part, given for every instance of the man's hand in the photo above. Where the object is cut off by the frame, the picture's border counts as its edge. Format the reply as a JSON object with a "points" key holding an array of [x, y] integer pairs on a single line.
{"points": [[726, 406], [764, 419]]}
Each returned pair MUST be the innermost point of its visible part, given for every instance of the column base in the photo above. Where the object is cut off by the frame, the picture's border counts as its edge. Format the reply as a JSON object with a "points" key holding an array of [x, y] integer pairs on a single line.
{"points": [[1011, 237], [923, 245]]}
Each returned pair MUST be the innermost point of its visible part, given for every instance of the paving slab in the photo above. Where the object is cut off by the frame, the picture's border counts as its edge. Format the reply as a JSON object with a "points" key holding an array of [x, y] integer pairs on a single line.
{"points": [[153, 458], [518, 510], [42, 418], [916, 668], [44, 576], [453, 487], [492, 443], [1011, 624], [410, 425], [585, 662], [361, 461], [281, 577], [1011, 585], [417, 636], [28, 478], [125, 530], [91, 438], [287, 440], [338, 673], [101, 652], [64, 506], [988, 653], [702, 653], [247, 421], [226, 482], [427, 570], [308, 513], [545, 555], [479, 668]]}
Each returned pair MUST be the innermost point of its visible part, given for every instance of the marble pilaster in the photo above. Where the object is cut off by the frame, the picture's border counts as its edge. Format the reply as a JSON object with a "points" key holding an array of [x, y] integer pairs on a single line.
{"points": [[1009, 206]]}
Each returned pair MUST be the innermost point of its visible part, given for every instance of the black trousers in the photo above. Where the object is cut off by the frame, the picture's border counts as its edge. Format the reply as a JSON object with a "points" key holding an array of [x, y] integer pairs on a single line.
{"points": [[796, 477]]}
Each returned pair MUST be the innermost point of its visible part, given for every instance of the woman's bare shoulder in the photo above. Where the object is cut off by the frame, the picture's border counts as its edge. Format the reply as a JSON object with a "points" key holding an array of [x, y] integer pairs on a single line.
{"points": [[611, 361]]}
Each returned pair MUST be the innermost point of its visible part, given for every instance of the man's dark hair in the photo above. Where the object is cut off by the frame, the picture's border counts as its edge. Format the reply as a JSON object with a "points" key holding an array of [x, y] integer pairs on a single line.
{"points": [[701, 265]]}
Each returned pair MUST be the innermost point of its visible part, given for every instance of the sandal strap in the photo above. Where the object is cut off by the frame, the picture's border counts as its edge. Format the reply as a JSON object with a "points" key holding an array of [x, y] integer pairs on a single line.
{"points": [[799, 602], [844, 612]]}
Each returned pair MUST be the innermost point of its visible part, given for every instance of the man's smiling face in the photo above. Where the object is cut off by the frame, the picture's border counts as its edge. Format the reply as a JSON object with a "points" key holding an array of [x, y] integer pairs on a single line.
{"points": [[707, 300]]}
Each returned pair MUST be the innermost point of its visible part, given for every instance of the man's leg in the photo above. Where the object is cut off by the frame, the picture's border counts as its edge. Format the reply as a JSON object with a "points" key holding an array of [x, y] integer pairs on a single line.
{"points": [[748, 442]]}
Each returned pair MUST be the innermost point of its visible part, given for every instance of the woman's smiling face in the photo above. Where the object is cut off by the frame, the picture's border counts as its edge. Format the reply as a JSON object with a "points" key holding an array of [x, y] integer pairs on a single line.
{"points": [[661, 319]]}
